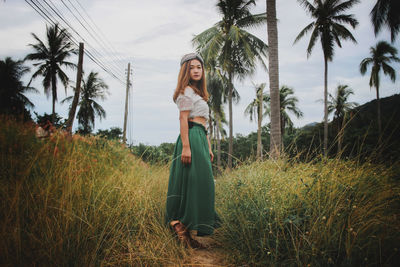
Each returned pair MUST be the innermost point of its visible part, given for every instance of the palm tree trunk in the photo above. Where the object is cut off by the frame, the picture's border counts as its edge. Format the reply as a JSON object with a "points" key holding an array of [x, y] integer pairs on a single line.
{"points": [[326, 107], [230, 149], [54, 93], [275, 140], [75, 101], [218, 142], [260, 105]]}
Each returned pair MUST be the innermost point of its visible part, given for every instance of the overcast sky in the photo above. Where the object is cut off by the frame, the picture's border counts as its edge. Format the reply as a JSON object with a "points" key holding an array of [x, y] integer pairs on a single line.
{"points": [[153, 35]]}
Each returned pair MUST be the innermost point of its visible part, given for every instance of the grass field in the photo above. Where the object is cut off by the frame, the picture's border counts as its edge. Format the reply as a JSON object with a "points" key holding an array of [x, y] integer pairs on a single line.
{"points": [[85, 201]]}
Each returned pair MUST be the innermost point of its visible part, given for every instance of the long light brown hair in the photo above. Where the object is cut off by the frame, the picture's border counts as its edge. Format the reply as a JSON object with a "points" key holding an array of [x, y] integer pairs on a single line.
{"points": [[184, 81]]}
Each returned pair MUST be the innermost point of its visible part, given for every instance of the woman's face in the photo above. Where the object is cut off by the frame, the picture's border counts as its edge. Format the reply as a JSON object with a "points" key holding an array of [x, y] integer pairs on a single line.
{"points": [[196, 70]]}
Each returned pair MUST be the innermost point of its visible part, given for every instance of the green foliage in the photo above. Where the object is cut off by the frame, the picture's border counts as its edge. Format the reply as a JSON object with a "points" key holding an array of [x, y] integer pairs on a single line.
{"points": [[161, 154], [361, 134], [12, 91], [323, 213], [114, 133], [45, 120]]}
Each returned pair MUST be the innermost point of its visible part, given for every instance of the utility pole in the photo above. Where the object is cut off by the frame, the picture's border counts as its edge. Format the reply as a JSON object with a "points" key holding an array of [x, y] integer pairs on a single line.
{"points": [[126, 103], [75, 101]]}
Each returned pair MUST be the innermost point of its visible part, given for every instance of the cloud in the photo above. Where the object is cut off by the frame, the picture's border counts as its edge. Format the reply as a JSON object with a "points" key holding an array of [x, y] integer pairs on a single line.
{"points": [[153, 35]]}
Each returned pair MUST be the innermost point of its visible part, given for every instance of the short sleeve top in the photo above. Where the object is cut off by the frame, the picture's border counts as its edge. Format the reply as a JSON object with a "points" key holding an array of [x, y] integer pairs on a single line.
{"points": [[191, 101]]}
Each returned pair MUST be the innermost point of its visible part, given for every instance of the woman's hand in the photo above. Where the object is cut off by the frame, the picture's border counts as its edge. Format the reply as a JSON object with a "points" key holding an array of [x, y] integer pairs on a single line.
{"points": [[211, 155], [186, 156]]}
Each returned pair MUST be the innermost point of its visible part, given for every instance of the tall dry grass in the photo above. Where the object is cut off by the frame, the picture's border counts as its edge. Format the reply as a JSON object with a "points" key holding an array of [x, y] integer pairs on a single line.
{"points": [[80, 202], [328, 212], [89, 202]]}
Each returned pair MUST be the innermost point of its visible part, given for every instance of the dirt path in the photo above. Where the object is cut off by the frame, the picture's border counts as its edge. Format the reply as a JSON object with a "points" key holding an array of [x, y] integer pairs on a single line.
{"points": [[213, 255]]}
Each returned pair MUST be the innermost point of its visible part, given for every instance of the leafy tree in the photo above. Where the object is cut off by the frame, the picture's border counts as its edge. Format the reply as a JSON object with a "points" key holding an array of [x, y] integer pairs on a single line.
{"points": [[234, 49], [12, 98], [255, 110], [381, 56], [386, 12], [45, 121], [114, 133], [341, 107], [50, 58], [93, 88], [328, 27]]}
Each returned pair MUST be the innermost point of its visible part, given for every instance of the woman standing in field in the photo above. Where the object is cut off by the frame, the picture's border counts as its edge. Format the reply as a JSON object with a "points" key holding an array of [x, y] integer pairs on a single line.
{"points": [[191, 189]]}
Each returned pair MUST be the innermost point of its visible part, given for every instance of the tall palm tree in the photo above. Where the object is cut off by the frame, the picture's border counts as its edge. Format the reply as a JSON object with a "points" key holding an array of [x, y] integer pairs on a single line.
{"points": [[288, 103], [12, 98], [381, 56], [215, 87], [50, 58], [328, 27], [341, 107], [93, 88], [232, 47], [255, 110], [386, 12], [272, 30]]}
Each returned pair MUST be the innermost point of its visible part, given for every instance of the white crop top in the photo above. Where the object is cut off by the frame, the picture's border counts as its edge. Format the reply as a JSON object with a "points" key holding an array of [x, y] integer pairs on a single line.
{"points": [[191, 101]]}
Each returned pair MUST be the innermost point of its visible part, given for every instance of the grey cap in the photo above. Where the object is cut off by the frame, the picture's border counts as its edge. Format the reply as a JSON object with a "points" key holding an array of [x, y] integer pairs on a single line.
{"points": [[191, 56]]}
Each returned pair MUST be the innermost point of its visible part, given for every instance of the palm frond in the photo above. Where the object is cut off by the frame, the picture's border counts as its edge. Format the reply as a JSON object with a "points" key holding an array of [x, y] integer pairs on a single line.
{"points": [[304, 31]]}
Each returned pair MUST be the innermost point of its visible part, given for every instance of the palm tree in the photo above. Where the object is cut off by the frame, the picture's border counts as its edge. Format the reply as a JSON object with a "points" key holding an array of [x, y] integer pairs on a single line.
{"points": [[93, 88], [328, 27], [215, 87], [234, 49], [386, 12], [381, 56], [12, 98], [51, 58], [288, 103], [217, 84], [255, 110], [272, 30], [341, 107]]}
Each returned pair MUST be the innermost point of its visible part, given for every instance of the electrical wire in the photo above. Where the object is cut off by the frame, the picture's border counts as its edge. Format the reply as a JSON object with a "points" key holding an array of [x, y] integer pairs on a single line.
{"points": [[57, 12], [116, 66], [48, 17]]}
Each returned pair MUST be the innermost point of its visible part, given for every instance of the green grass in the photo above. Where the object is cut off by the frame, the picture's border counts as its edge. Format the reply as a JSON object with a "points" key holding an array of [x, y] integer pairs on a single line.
{"points": [[89, 202], [328, 212]]}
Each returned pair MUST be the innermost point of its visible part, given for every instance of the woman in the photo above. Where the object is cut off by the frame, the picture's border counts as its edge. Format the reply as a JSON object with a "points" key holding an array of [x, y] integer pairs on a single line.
{"points": [[191, 189]]}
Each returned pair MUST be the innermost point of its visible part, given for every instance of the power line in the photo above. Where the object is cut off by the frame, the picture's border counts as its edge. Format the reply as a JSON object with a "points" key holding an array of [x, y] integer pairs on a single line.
{"points": [[46, 14], [100, 31], [87, 52], [90, 33], [109, 48], [57, 12]]}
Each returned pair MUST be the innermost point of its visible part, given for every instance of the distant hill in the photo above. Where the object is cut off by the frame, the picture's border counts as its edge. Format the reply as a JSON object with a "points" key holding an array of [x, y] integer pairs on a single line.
{"points": [[361, 132]]}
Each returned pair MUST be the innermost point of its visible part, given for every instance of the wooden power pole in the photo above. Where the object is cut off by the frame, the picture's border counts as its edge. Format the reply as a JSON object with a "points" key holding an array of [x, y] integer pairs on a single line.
{"points": [[126, 103], [75, 101]]}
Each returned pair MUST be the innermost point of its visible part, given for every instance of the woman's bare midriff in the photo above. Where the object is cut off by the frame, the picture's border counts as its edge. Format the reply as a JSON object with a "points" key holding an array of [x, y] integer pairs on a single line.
{"points": [[199, 120]]}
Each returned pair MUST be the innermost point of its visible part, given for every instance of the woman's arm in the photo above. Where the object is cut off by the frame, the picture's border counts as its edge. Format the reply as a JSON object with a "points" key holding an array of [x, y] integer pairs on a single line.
{"points": [[186, 156], [209, 148]]}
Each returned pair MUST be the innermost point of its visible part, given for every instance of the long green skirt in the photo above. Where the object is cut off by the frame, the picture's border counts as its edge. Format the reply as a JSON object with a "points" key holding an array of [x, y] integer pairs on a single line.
{"points": [[191, 188]]}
